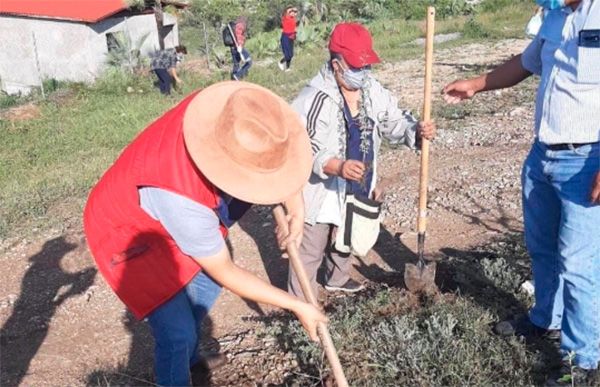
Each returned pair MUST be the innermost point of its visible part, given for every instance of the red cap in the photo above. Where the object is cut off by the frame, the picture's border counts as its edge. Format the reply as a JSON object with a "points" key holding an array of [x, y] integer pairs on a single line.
{"points": [[353, 41]]}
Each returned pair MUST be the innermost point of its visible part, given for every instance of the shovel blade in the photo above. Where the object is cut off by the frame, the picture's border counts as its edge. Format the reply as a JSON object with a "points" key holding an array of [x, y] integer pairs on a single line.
{"points": [[420, 279]]}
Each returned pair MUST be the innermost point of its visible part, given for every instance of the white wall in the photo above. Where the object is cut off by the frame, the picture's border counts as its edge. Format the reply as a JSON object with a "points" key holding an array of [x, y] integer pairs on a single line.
{"points": [[62, 51], [67, 51]]}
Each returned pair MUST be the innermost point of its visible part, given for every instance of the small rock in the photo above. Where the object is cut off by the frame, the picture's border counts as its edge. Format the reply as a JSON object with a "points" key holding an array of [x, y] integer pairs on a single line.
{"points": [[519, 111]]}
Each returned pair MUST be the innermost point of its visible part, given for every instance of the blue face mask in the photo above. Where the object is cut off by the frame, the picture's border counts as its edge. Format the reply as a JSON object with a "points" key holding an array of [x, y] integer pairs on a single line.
{"points": [[551, 4], [355, 79]]}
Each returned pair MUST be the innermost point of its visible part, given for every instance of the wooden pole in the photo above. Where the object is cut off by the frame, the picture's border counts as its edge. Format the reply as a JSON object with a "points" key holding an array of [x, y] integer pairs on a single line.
{"points": [[326, 341], [37, 65], [206, 46], [424, 175]]}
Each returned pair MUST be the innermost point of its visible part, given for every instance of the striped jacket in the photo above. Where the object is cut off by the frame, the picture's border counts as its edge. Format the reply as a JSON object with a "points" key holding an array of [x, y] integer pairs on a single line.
{"points": [[320, 105]]}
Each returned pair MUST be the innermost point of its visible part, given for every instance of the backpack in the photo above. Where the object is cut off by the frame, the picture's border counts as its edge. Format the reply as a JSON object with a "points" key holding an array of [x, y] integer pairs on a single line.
{"points": [[228, 38]]}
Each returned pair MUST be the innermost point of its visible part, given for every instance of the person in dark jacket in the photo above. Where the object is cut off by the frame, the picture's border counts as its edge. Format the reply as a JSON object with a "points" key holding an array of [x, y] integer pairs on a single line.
{"points": [[164, 65], [239, 55]]}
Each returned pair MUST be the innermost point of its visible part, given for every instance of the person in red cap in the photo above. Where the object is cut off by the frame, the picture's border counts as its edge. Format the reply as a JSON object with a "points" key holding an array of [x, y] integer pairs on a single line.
{"points": [[156, 221], [346, 112]]}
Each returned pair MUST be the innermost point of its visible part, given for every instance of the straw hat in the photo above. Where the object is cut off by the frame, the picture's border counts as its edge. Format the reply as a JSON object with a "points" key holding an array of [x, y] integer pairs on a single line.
{"points": [[248, 142]]}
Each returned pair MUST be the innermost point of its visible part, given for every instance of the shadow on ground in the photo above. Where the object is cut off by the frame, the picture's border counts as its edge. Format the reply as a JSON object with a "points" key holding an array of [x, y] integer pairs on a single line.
{"points": [[44, 288]]}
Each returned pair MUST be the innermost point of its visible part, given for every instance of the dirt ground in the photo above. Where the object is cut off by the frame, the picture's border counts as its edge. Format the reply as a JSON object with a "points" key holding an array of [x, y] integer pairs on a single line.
{"points": [[61, 324]]}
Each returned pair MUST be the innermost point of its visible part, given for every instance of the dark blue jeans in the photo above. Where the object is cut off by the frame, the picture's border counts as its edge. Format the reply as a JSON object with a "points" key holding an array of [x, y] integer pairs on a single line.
{"points": [[240, 71], [176, 327], [287, 47], [164, 80]]}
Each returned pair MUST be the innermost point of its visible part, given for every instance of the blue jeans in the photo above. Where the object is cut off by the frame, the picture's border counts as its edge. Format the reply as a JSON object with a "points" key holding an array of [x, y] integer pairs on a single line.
{"points": [[562, 234], [287, 47], [164, 81], [176, 327], [240, 72]]}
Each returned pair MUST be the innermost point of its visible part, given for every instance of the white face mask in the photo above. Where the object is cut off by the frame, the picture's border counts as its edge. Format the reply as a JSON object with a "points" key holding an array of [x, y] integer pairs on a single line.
{"points": [[355, 78]]}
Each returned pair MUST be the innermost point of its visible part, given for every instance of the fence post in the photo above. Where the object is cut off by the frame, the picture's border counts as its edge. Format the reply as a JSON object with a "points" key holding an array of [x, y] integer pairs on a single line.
{"points": [[37, 64], [206, 46]]}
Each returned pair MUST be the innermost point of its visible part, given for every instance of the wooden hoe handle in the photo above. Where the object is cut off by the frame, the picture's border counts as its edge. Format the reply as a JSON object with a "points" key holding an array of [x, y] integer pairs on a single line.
{"points": [[326, 342]]}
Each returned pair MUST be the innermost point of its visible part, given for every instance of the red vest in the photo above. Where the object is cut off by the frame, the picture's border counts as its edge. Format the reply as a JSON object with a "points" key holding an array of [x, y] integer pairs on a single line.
{"points": [[134, 253]]}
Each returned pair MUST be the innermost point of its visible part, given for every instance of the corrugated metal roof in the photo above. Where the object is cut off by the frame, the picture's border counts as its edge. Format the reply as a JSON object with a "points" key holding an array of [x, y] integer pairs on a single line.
{"points": [[88, 11]]}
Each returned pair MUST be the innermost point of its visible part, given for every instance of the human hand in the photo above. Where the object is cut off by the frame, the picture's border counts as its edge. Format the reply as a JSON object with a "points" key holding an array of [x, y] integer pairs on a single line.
{"points": [[292, 233], [458, 91], [426, 130], [378, 193], [595, 195], [309, 317], [352, 170]]}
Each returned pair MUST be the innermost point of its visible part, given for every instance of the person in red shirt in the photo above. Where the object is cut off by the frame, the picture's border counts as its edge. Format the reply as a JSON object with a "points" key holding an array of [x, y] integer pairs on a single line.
{"points": [[157, 220], [288, 35]]}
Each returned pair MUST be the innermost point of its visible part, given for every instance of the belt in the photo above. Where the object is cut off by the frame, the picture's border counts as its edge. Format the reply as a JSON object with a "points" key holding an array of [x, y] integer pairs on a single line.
{"points": [[567, 146]]}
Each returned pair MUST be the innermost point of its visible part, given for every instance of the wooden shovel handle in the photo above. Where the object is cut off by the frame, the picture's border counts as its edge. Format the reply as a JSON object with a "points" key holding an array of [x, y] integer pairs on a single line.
{"points": [[424, 176], [326, 341]]}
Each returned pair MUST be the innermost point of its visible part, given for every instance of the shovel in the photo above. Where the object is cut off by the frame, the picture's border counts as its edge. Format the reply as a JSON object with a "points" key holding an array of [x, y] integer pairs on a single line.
{"points": [[420, 278], [324, 336]]}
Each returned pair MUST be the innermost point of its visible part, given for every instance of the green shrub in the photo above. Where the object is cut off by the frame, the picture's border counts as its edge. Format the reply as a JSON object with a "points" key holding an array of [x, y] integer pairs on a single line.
{"points": [[496, 5], [8, 100], [389, 338], [475, 30]]}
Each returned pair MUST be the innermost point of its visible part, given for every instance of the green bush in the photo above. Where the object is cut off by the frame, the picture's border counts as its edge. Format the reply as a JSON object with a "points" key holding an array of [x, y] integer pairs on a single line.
{"points": [[390, 338], [496, 5], [264, 15], [263, 45], [475, 30], [8, 100]]}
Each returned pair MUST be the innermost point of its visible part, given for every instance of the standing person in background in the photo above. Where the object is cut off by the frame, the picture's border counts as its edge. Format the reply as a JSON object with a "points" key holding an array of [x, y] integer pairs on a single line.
{"points": [[239, 55], [288, 35], [163, 64]]}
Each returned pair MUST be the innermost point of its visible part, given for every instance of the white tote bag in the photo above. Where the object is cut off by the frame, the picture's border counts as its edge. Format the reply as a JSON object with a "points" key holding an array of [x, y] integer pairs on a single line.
{"points": [[360, 226]]}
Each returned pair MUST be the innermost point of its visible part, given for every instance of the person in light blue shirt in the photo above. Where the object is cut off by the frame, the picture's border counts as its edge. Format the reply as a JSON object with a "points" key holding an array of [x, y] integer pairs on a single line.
{"points": [[560, 182]]}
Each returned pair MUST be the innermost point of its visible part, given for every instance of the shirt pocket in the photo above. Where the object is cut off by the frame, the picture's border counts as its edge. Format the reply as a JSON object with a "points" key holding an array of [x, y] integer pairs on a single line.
{"points": [[588, 65]]}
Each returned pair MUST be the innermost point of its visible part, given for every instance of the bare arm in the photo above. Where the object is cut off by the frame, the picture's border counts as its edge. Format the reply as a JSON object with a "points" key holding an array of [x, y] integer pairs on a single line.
{"points": [[506, 75], [173, 73], [595, 195], [221, 268]]}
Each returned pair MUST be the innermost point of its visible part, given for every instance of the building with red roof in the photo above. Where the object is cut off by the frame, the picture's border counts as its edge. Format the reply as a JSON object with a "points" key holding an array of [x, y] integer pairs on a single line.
{"points": [[70, 40]]}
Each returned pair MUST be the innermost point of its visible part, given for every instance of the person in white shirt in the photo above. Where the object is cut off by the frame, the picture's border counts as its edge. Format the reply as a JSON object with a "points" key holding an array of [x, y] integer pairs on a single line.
{"points": [[560, 182]]}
